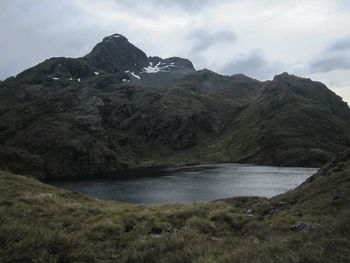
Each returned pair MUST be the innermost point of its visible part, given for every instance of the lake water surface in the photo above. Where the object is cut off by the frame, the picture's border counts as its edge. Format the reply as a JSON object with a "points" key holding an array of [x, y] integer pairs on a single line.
{"points": [[192, 183]]}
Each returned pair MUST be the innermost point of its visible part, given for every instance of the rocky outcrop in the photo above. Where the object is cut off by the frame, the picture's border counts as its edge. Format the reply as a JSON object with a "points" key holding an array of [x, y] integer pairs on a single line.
{"points": [[116, 54], [285, 87], [304, 226]]}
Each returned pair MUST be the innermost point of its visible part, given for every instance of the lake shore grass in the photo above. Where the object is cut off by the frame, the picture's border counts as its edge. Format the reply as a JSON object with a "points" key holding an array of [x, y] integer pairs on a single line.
{"points": [[41, 223]]}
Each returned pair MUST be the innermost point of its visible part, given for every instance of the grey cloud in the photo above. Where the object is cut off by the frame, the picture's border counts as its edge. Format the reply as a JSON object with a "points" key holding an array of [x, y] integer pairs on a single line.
{"points": [[343, 5], [253, 64], [184, 5], [204, 39], [190, 5], [335, 57], [330, 64], [341, 44], [42, 29]]}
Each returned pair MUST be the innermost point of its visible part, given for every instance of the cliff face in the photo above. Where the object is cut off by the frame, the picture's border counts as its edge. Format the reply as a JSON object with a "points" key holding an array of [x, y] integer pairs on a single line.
{"points": [[117, 108]]}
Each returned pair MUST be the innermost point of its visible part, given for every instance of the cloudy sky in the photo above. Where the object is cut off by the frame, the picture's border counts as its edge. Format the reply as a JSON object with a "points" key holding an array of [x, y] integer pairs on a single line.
{"points": [[260, 38]]}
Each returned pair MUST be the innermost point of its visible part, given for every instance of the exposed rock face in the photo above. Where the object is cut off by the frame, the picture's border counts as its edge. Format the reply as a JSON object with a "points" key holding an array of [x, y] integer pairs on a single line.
{"points": [[116, 54], [117, 108], [304, 226], [286, 87], [162, 73]]}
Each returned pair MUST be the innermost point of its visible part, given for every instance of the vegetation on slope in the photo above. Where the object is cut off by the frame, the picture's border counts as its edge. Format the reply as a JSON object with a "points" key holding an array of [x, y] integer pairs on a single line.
{"points": [[101, 126], [79, 117], [40, 223]]}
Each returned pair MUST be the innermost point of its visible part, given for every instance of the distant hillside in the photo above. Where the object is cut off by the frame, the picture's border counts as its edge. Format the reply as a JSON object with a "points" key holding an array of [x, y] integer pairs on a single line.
{"points": [[116, 108]]}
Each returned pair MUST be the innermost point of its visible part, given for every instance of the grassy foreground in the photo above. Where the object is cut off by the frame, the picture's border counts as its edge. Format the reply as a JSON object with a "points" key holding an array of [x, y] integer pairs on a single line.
{"points": [[40, 223]]}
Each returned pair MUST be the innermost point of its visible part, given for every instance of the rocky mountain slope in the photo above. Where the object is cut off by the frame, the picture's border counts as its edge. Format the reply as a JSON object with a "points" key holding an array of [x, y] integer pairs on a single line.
{"points": [[116, 108], [115, 54]]}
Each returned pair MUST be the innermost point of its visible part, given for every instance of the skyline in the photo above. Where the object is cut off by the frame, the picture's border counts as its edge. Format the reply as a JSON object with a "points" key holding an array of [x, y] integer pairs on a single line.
{"points": [[261, 38]]}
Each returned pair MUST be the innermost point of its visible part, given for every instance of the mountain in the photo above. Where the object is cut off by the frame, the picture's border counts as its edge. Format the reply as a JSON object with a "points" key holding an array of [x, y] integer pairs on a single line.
{"points": [[116, 108], [115, 54]]}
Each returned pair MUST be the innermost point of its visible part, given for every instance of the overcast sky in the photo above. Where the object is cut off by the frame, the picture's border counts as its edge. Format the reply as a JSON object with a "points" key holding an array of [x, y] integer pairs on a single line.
{"points": [[260, 38]]}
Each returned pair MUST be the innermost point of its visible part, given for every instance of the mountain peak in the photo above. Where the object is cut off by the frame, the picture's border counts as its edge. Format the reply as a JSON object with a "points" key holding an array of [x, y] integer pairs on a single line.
{"points": [[283, 76], [114, 37], [116, 54]]}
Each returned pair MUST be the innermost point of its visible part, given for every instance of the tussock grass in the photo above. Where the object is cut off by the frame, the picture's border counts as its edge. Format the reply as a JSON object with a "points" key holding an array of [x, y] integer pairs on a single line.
{"points": [[41, 223]]}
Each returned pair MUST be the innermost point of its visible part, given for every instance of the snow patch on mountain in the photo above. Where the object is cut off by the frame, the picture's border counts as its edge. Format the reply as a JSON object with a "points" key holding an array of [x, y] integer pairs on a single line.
{"points": [[151, 68], [136, 76], [159, 67]]}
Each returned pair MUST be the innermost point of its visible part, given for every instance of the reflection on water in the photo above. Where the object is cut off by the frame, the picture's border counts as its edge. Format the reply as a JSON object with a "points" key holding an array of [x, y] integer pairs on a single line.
{"points": [[192, 183]]}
